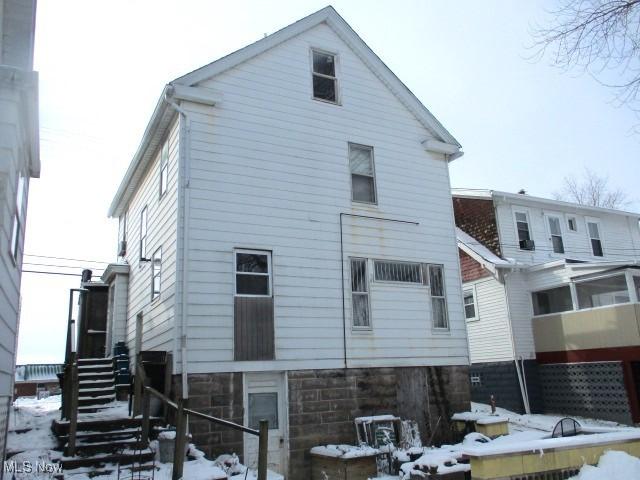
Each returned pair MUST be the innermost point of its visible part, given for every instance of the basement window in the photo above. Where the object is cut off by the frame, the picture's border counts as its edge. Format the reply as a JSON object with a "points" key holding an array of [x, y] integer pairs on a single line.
{"points": [[263, 406], [476, 380], [553, 300], [325, 83], [602, 291]]}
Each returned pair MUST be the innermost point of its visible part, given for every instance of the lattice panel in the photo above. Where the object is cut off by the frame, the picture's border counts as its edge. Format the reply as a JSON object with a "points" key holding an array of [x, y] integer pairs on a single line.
{"points": [[586, 389], [556, 475]]}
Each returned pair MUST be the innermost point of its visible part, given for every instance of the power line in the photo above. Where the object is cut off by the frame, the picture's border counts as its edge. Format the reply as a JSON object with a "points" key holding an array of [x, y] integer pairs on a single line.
{"points": [[64, 258], [52, 273], [53, 265]]}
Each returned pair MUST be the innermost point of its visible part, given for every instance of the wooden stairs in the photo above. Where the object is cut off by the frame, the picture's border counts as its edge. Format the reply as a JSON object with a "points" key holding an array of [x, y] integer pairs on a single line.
{"points": [[105, 435]]}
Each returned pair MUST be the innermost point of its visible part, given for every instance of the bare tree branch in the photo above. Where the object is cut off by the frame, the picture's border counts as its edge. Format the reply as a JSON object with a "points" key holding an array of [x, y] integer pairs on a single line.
{"points": [[592, 190], [599, 36]]}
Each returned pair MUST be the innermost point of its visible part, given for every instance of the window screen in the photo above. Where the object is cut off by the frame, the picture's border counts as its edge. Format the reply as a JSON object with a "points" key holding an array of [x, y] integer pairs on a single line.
{"points": [[405, 272], [602, 291], [553, 300]]}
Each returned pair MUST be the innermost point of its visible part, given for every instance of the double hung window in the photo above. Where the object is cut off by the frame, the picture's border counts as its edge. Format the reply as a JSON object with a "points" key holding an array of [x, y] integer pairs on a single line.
{"points": [[555, 231], [156, 273], [524, 234], [253, 273], [143, 234], [360, 293], [325, 83], [594, 237], [363, 181], [164, 168], [470, 309], [438, 297]]}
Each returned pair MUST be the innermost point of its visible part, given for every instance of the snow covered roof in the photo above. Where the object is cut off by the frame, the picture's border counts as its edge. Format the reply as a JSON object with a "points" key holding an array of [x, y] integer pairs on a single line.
{"points": [[162, 115], [40, 372], [480, 253]]}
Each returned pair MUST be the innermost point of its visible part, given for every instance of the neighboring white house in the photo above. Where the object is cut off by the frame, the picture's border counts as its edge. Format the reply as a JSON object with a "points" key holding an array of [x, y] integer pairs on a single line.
{"points": [[551, 300], [19, 161], [287, 234]]}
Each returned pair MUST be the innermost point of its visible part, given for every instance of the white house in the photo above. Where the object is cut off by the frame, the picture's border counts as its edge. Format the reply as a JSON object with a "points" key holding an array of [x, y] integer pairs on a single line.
{"points": [[551, 301], [287, 233], [19, 161]]}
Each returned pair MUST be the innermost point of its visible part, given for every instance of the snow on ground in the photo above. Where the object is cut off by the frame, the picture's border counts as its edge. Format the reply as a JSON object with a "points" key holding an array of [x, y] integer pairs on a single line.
{"points": [[612, 465], [30, 424], [546, 423]]}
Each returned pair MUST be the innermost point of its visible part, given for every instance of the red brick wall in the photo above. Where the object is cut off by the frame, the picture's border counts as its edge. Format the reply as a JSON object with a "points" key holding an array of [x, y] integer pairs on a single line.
{"points": [[470, 269], [476, 217]]}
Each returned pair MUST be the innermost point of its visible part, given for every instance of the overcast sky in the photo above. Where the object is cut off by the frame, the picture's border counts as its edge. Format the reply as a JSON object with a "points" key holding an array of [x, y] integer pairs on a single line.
{"points": [[102, 64]]}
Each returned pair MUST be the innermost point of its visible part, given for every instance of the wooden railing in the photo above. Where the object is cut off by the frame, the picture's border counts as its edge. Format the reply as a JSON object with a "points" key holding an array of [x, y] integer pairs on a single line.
{"points": [[142, 404]]}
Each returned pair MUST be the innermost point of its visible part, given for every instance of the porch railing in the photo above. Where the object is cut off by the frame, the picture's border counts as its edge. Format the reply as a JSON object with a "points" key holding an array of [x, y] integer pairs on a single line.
{"points": [[144, 392]]}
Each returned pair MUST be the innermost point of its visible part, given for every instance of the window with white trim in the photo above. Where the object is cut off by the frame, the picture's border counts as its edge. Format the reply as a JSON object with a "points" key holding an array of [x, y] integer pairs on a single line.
{"points": [[600, 292], [397, 272], [252, 273], [360, 293], [325, 82], [524, 234], [164, 168], [363, 180], [594, 237], [143, 233], [555, 231], [122, 235], [16, 233], [572, 224], [156, 273], [469, 301], [438, 297]]}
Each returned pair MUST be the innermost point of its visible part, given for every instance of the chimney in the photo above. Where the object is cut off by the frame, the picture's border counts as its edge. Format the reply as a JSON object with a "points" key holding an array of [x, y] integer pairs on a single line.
{"points": [[86, 275]]}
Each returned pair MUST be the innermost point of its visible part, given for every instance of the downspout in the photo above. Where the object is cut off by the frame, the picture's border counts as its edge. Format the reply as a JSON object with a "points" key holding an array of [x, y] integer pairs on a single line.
{"points": [[523, 386], [185, 126]]}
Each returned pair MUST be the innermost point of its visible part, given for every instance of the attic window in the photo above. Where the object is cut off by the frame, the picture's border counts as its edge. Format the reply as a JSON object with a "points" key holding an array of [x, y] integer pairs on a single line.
{"points": [[325, 83]]}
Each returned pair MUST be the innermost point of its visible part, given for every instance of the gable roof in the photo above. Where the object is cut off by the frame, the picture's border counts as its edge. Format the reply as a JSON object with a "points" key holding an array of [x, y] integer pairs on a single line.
{"points": [[479, 252], [329, 16]]}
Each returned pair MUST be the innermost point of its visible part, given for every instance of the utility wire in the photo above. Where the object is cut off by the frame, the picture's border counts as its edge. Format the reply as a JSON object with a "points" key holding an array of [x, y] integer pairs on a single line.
{"points": [[52, 273], [64, 258]]}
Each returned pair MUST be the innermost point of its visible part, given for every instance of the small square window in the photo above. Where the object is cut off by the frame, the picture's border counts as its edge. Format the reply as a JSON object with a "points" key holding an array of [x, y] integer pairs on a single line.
{"points": [[325, 83], [263, 406], [476, 380]]}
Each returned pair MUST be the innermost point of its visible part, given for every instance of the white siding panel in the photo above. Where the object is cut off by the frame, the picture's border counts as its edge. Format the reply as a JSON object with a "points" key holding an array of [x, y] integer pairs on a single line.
{"points": [[269, 170], [158, 315], [521, 311], [490, 335]]}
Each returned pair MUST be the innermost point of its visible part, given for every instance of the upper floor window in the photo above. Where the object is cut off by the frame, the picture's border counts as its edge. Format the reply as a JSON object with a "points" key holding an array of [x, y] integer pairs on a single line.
{"points": [[524, 234], [594, 236], [325, 83], [16, 233], [143, 234], [363, 180], [156, 273], [572, 224], [555, 231], [253, 273], [360, 293], [438, 297], [470, 310], [164, 168]]}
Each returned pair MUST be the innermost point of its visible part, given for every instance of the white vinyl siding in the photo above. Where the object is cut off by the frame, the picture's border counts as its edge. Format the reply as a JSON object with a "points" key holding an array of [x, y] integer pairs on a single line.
{"points": [[620, 235], [490, 334], [161, 231], [270, 170]]}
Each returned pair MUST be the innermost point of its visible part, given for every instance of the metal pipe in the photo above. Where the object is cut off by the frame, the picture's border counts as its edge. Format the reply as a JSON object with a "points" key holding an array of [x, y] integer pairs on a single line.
{"points": [[344, 313], [184, 148]]}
